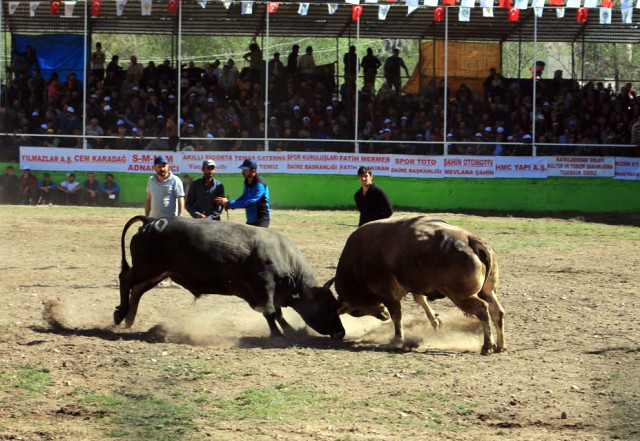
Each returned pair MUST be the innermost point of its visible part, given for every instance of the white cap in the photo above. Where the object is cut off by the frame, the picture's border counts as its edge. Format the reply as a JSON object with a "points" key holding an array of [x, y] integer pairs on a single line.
{"points": [[44, 127], [500, 129], [107, 98], [35, 114], [160, 116], [479, 134], [70, 109], [527, 136], [107, 107], [488, 129], [296, 107]]}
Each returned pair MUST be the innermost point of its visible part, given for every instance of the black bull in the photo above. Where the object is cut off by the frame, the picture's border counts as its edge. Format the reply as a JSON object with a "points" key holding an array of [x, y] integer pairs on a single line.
{"points": [[261, 266]]}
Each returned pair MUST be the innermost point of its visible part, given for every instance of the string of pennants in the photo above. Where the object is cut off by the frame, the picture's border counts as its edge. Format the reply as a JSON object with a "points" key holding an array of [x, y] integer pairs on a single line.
{"points": [[464, 12]]}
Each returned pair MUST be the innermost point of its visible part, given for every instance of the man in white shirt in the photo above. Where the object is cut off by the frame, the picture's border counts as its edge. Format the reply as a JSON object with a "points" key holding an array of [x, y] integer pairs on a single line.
{"points": [[70, 190], [165, 194]]}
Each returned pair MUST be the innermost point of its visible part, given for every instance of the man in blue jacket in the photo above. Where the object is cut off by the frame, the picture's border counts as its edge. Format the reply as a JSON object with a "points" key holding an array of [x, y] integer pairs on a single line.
{"points": [[255, 196]]}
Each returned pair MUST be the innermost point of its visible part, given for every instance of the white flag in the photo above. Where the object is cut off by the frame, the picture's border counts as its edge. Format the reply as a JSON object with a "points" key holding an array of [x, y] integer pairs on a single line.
{"points": [[145, 7], [464, 14], [12, 7], [573, 4], [352, 2], [68, 8], [638, 4], [486, 3], [410, 2], [247, 8], [303, 9], [226, 3], [487, 12], [410, 9], [560, 12], [333, 7], [382, 11], [120, 4], [590, 3], [521, 4], [624, 4], [538, 12], [538, 3], [605, 15], [371, 1], [468, 3], [627, 15], [434, 3], [203, 3], [32, 8]]}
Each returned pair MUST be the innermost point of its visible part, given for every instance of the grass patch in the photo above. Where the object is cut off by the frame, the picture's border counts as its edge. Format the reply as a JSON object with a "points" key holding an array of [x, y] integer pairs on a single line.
{"points": [[141, 417], [29, 378]]}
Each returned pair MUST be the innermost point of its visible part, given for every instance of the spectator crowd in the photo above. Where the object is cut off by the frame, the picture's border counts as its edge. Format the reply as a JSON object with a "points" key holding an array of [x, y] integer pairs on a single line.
{"points": [[222, 108]]}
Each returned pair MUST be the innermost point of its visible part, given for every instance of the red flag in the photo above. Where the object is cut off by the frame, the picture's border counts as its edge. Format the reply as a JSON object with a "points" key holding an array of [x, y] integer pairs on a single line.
{"points": [[273, 7], [172, 6], [504, 3], [555, 2], [582, 15], [438, 13], [514, 14], [54, 5], [356, 12], [95, 7], [607, 3], [449, 2]]}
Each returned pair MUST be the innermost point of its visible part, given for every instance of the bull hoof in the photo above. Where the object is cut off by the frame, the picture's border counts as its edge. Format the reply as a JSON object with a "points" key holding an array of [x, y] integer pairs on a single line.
{"points": [[437, 323], [488, 349], [118, 316]]}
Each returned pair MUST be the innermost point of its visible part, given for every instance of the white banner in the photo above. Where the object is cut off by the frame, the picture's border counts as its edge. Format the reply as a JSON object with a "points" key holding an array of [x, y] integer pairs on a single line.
{"points": [[581, 166], [312, 163], [469, 167], [411, 166], [627, 168], [350, 162], [521, 167]]}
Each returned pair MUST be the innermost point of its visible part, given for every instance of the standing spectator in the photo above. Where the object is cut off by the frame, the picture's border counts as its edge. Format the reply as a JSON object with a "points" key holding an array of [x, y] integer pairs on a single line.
{"points": [[276, 68], [292, 61], [392, 70], [109, 190], [307, 65], [372, 202], [370, 65], [9, 186], [135, 68], [46, 190], [28, 186], [203, 192], [70, 190], [165, 195], [351, 66], [91, 190], [255, 59], [98, 58], [255, 196]]}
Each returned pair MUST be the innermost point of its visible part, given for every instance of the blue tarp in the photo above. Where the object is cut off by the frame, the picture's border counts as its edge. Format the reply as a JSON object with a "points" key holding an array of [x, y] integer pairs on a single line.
{"points": [[60, 53]]}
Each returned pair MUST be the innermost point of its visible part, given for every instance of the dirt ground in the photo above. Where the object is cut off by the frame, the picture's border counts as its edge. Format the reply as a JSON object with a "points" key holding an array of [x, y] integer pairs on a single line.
{"points": [[206, 369]]}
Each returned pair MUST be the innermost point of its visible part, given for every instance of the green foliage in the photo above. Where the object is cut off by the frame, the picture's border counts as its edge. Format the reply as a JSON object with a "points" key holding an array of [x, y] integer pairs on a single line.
{"points": [[34, 379]]}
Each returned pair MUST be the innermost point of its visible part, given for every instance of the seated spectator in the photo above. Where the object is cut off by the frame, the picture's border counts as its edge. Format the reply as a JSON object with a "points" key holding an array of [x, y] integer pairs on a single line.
{"points": [[109, 191], [91, 190], [9, 186], [28, 187], [46, 190], [70, 190]]}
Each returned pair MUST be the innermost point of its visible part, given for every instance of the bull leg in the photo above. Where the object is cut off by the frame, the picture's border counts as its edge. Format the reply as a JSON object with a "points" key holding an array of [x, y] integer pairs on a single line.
{"points": [[123, 308], [433, 317], [479, 308], [395, 311], [497, 315], [271, 320], [134, 300], [286, 327]]}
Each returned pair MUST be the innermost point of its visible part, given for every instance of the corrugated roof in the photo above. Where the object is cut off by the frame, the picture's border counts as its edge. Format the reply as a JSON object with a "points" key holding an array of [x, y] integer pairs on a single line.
{"points": [[215, 19]]}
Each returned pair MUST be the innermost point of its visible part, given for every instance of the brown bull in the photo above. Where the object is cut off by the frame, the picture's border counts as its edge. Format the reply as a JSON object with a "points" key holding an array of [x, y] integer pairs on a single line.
{"points": [[383, 261]]}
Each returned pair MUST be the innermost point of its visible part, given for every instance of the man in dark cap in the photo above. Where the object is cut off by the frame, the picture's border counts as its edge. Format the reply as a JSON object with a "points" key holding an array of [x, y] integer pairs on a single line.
{"points": [[203, 192], [255, 196]]}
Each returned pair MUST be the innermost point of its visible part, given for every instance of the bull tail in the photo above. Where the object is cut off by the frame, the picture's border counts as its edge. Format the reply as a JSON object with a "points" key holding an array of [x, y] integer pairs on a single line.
{"points": [[482, 250], [145, 220]]}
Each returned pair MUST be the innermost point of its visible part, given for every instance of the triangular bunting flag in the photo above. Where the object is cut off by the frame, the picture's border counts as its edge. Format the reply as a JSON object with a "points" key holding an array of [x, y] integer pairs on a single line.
{"points": [[68, 8], [504, 3], [627, 15], [13, 6], [538, 3], [332, 8], [605, 15], [54, 5], [411, 2], [464, 14], [486, 3], [352, 2], [521, 4], [590, 3], [624, 4], [247, 8], [638, 4], [438, 13], [514, 14], [538, 12], [555, 2], [203, 3], [95, 7], [581, 17], [120, 4], [32, 8], [487, 12], [356, 12], [273, 7], [303, 9], [449, 2], [371, 1], [411, 8], [607, 3], [560, 12], [573, 4], [468, 3], [226, 3], [145, 6], [434, 3], [383, 10]]}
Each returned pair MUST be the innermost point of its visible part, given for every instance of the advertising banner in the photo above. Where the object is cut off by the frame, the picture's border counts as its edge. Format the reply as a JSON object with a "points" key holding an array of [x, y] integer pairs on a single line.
{"points": [[627, 168], [521, 167], [581, 166]]}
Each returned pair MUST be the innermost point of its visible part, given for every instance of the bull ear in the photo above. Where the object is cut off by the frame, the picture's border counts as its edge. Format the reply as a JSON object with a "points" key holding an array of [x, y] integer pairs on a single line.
{"points": [[344, 308], [327, 286]]}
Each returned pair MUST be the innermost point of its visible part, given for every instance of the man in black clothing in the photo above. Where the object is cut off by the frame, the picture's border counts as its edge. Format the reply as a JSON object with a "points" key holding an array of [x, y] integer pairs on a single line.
{"points": [[372, 202], [392, 70], [200, 201]]}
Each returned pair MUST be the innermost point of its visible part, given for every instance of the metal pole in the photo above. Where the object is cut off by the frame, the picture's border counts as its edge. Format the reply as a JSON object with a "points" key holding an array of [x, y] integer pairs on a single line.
{"points": [[266, 82], [535, 62], [356, 113], [179, 67], [445, 150], [86, 85], [1, 47]]}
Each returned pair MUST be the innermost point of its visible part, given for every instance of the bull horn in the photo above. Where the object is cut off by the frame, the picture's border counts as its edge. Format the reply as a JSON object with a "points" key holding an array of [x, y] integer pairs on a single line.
{"points": [[327, 285]]}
